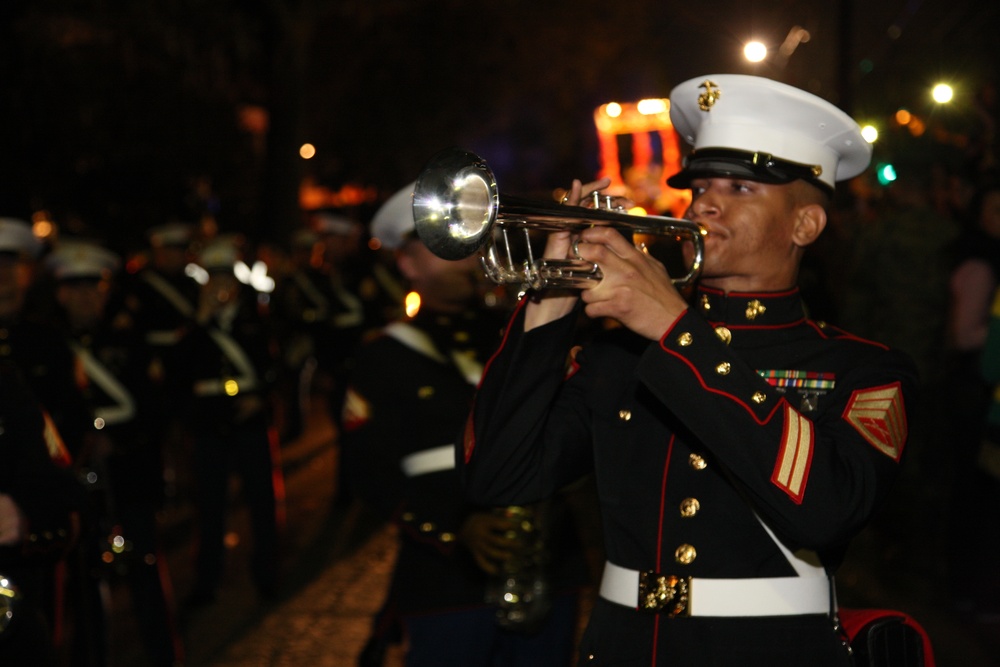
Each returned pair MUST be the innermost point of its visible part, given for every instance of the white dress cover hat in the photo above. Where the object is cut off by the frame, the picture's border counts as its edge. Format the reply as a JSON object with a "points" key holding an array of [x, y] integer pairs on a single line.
{"points": [[751, 127]]}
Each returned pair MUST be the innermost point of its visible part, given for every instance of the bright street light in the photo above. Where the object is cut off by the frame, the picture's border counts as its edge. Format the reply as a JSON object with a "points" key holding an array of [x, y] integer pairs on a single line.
{"points": [[755, 52], [942, 93]]}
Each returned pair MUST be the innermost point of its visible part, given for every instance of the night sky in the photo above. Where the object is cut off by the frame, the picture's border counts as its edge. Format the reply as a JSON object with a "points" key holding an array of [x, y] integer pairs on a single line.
{"points": [[119, 115]]}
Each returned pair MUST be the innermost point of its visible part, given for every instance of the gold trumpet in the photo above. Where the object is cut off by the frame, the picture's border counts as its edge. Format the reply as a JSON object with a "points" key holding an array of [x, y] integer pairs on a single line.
{"points": [[458, 212]]}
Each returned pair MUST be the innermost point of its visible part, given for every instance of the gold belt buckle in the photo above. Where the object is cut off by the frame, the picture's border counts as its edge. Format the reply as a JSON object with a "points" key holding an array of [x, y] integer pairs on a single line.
{"points": [[664, 593]]}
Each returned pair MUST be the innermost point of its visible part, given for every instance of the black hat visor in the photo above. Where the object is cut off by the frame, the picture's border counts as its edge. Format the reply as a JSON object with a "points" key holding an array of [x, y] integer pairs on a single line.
{"points": [[749, 165]]}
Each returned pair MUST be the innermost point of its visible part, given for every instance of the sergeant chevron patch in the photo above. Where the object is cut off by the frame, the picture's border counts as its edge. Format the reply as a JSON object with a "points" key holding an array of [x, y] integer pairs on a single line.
{"points": [[879, 416], [791, 469]]}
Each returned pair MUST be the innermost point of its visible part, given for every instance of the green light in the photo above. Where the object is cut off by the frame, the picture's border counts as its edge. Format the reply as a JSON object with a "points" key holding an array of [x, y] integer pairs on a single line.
{"points": [[885, 173]]}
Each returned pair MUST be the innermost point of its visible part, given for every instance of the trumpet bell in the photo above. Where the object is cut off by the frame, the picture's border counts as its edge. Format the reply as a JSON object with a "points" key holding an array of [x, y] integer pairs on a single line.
{"points": [[455, 202]]}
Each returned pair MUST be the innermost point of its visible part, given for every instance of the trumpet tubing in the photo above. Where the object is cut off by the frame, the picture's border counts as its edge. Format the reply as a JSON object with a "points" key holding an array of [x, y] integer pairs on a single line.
{"points": [[459, 212]]}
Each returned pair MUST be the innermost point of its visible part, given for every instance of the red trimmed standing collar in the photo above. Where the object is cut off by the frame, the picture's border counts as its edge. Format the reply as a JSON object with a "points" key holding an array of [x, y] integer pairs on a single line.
{"points": [[741, 310]]}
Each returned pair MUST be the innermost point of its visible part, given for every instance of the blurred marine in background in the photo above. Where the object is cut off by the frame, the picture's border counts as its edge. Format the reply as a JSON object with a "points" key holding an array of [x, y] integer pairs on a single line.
{"points": [[228, 372], [473, 585], [124, 466]]}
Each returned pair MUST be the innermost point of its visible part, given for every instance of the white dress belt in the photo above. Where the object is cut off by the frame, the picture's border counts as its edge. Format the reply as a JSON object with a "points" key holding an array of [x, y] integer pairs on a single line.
{"points": [[428, 461], [767, 596]]}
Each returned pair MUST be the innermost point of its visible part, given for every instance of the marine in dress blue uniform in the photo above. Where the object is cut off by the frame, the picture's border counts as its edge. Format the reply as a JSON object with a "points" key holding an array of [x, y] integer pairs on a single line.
{"points": [[161, 296], [37, 347], [47, 364], [124, 457], [737, 445], [407, 399], [327, 305], [335, 300], [162, 299], [228, 374], [38, 503]]}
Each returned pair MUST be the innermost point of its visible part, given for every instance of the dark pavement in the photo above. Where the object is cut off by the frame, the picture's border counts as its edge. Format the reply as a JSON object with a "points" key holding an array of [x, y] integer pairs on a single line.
{"points": [[337, 562]]}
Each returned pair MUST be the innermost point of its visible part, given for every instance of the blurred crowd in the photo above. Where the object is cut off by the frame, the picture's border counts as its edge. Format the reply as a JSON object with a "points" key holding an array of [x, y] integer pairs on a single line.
{"points": [[154, 378]]}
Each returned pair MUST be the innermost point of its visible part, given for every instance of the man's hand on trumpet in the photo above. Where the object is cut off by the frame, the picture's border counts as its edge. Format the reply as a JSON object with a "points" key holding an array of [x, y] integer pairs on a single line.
{"points": [[635, 290], [551, 305]]}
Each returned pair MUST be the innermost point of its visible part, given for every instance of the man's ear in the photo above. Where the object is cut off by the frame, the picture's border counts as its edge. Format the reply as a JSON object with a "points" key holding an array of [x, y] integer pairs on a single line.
{"points": [[809, 224]]}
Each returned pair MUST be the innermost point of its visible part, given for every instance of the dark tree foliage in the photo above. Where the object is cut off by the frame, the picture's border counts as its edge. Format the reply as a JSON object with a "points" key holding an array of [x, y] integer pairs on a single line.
{"points": [[112, 109]]}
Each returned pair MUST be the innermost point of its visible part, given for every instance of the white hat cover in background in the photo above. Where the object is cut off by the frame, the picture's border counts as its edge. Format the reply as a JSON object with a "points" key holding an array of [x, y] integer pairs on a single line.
{"points": [[16, 236], [171, 234], [72, 260], [755, 128], [393, 221], [220, 254], [328, 223]]}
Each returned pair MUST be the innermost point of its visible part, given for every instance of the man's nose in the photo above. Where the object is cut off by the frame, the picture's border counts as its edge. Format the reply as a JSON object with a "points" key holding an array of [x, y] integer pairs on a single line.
{"points": [[704, 205]]}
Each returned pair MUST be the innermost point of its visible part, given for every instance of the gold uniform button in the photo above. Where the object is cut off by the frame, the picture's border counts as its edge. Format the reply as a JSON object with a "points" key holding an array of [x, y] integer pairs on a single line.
{"points": [[625, 415], [758, 397], [755, 308], [697, 462], [724, 334], [690, 507], [685, 554], [447, 537], [426, 527], [723, 368], [706, 305], [685, 339]]}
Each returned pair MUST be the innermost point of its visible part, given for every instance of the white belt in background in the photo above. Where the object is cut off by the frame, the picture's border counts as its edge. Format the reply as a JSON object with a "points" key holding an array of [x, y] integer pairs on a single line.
{"points": [[691, 596], [428, 461]]}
